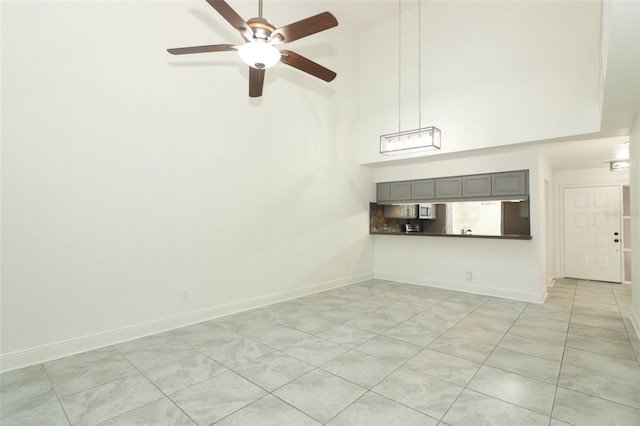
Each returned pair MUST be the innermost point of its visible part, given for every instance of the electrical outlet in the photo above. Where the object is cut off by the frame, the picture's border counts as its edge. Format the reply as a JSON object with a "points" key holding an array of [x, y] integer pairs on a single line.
{"points": [[468, 275], [184, 295]]}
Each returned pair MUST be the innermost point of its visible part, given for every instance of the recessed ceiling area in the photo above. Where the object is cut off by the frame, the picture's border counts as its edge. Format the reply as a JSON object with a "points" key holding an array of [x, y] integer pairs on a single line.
{"points": [[589, 154]]}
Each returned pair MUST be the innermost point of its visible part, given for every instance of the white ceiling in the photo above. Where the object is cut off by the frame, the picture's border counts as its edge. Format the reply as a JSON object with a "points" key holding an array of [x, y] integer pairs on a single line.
{"points": [[586, 154]]}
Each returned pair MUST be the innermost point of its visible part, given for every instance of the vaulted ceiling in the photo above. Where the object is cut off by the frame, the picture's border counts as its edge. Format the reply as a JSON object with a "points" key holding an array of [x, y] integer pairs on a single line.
{"points": [[619, 98]]}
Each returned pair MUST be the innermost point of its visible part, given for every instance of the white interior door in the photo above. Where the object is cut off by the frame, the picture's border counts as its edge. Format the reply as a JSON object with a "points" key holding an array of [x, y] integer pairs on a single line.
{"points": [[592, 248]]}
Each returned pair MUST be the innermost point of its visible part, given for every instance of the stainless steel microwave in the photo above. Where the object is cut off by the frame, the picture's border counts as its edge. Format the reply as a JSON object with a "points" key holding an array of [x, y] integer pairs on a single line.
{"points": [[427, 211]]}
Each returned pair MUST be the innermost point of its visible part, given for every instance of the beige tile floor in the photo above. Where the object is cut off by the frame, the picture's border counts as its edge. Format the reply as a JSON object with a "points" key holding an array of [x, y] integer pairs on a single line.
{"points": [[373, 353]]}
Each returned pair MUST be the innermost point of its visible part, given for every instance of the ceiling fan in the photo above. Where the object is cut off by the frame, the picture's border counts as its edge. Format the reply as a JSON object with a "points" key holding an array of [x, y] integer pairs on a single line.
{"points": [[261, 38]]}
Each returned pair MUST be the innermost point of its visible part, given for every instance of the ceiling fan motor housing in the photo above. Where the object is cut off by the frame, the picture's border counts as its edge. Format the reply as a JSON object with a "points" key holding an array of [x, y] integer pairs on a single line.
{"points": [[261, 27]]}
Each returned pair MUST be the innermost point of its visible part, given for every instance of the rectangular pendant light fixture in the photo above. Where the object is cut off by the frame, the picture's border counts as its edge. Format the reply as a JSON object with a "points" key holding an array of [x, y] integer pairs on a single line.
{"points": [[424, 139]]}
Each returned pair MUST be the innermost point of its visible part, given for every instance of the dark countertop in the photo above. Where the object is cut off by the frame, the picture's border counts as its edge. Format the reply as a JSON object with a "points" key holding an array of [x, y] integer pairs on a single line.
{"points": [[424, 234]]}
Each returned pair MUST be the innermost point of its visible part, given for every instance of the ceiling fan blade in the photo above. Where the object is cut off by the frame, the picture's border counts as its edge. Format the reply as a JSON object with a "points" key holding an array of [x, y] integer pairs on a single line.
{"points": [[306, 65], [256, 81], [232, 17], [314, 24], [203, 49]]}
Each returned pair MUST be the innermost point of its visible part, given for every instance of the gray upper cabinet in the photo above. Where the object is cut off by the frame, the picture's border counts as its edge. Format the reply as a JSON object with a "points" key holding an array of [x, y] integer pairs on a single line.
{"points": [[476, 186], [401, 191], [384, 192], [423, 189], [490, 186], [449, 187], [392, 192], [510, 183]]}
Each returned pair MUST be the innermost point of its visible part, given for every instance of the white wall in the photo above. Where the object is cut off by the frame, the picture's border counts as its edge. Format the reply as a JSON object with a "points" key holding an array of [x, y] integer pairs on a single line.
{"points": [[129, 175], [545, 212], [596, 176], [634, 152], [576, 178], [493, 73], [621, 64], [505, 268]]}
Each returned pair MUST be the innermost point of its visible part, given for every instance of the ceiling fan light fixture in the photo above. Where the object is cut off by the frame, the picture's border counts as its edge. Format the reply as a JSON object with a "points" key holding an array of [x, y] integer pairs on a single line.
{"points": [[259, 54]]}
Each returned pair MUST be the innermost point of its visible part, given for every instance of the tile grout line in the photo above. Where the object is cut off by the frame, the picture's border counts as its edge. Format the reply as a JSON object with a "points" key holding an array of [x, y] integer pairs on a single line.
{"points": [[596, 353], [564, 350], [56, 393], [385, 377], [137, 371], [395, 370], [156, 386], [483, 363], [318, 367], [615, 296], [593, 395]]}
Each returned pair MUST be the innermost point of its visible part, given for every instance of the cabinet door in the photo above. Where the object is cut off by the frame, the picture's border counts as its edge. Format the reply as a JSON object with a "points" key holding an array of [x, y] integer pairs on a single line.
{"points": [[401, 191], [423, 189], [476, 186], [449, 187], [384, 192], [510, 183]]}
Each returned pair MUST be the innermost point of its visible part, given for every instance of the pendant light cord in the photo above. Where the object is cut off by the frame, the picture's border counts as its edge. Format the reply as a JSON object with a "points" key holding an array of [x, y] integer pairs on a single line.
{"points": [[399, 63], [419, 69]]}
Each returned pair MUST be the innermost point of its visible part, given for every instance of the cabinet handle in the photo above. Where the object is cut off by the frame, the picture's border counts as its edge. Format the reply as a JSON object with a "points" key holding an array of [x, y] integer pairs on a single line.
{"points": [[616, 240]]}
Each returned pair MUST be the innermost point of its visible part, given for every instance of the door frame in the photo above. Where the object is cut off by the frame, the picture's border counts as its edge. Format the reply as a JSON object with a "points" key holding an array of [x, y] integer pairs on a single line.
{"points": [[562, 225]]}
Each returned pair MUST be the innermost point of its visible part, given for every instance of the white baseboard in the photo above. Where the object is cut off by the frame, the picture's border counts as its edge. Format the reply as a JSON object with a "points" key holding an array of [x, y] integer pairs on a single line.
{"points": [[544, 296], [551, 282], [468, 288], [44, 353]]}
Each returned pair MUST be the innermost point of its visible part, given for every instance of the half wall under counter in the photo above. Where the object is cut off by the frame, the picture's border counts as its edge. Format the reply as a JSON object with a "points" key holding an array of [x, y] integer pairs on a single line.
{"points": [[511, 222]]}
